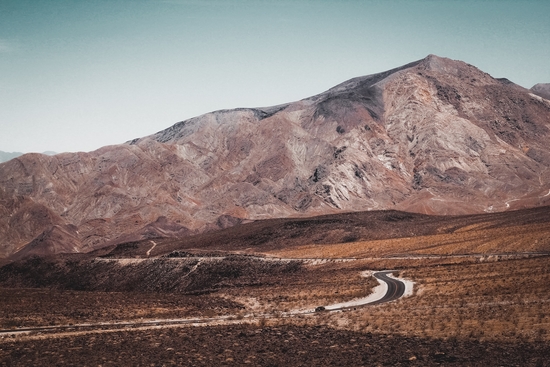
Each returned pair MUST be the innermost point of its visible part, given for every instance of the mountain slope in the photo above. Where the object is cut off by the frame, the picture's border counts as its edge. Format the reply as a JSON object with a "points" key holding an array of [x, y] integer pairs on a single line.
{"points": [[436, 136]]}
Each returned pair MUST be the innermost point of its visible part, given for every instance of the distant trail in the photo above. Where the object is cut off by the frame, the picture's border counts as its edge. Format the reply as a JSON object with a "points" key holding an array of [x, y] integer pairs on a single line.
{"points": [[193, 268], [501, 255], [151, 249]]}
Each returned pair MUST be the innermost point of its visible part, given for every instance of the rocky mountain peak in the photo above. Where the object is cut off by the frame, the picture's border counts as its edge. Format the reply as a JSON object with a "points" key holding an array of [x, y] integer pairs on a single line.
{"points": [[435, 136], [441, 64]]}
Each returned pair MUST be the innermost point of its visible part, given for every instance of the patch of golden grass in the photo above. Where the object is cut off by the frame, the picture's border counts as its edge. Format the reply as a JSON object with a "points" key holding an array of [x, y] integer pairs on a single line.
{"points": [[527, 238]]}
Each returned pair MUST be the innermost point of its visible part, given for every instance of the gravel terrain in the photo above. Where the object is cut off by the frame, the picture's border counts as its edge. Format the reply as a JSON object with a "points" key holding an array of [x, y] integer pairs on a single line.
{"points": [[270, 346]]}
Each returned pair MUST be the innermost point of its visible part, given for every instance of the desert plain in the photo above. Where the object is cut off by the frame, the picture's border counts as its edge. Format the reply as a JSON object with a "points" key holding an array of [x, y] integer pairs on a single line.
{"points": [[480, 296]]}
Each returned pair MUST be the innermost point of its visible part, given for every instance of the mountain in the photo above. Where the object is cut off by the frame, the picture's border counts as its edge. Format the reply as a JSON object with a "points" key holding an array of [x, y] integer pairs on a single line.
{"points": [[541, 90], [436, 136]]}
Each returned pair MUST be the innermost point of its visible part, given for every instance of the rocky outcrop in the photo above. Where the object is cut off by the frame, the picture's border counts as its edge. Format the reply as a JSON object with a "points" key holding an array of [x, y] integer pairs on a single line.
{"points": [[436, 136]]}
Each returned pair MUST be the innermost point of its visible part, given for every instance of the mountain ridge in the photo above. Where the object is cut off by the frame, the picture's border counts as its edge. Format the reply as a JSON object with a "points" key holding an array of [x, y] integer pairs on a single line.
{"points": [[435, 136]]}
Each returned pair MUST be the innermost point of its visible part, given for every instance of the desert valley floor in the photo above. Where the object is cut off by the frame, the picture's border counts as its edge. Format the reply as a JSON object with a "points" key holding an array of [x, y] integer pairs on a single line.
{"points": [[481, 295]]}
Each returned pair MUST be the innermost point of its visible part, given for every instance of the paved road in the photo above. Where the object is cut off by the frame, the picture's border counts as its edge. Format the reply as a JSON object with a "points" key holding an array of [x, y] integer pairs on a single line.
{"points": [[395, 290]]}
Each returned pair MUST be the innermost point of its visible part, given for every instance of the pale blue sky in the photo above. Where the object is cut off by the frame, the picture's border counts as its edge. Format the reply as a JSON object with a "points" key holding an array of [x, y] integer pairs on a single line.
{"points": [[78, 75]]}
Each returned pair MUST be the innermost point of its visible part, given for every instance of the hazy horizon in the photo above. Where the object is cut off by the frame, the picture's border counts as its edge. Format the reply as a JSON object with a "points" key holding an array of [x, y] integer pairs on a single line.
{"points": [[76, 76]]}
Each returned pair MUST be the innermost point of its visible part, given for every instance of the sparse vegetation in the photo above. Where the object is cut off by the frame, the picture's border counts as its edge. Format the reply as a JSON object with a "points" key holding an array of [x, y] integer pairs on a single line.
{"points": [[492, 307], [498, 301], [257, 345]]}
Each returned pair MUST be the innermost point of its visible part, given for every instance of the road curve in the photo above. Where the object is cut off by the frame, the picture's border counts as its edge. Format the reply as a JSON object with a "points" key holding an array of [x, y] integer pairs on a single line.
{"points": [[395, 290]]}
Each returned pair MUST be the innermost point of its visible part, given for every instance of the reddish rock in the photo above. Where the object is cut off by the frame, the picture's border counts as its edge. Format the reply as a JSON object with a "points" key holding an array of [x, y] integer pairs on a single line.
{"points": [[436, 136]]}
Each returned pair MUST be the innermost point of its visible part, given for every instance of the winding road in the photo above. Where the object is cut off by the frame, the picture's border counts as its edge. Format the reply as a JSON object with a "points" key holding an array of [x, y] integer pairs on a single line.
{"points": [[391, 289], [395, 289]]}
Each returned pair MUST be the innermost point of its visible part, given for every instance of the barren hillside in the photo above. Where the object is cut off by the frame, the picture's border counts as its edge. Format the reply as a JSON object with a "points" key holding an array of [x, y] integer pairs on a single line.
{"points": [[436, 136]]}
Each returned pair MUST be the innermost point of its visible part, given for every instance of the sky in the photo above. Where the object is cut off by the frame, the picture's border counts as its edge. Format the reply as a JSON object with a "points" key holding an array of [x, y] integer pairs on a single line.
{"points": [[77, 75]]}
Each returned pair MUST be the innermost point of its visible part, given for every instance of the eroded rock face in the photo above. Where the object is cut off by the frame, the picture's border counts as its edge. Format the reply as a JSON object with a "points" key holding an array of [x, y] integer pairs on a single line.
{"points": [[436, 136]]}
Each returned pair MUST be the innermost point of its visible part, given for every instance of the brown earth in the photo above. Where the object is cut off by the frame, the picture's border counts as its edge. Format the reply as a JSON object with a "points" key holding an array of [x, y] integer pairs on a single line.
{"points": [[436, 136], [363, 234], [49, 306], [479, 308], [164, 275], [284, 345], [245, 285], [492, 314]]}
